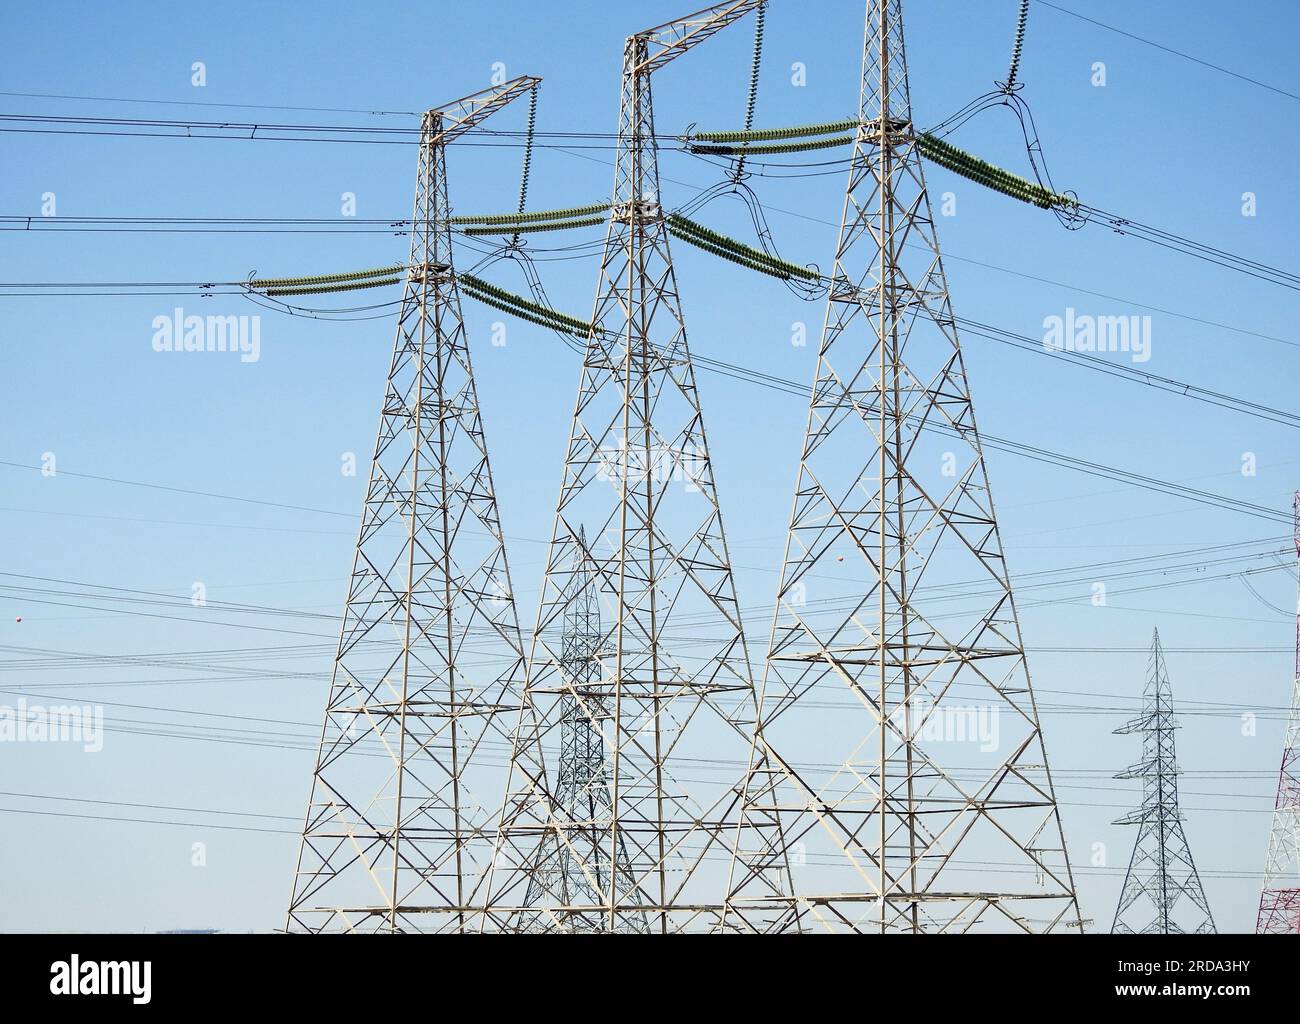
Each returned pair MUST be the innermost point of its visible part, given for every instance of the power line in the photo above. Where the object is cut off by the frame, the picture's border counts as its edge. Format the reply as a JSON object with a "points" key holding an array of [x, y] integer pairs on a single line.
{"points": [[1132, 374], [1030, 451], [1111, 570], [254, 131], [210, 103], [1170, 50], [787, 386], [963, 865], [182, 490], [1018, 341]]}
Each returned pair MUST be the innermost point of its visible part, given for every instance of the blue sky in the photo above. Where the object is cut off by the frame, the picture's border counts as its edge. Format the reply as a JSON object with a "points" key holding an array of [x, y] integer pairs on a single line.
{"points": [[1165, 141]]}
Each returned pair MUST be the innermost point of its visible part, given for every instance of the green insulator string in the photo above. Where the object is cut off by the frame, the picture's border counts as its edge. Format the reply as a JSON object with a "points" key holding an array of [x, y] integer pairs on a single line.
{"points": [[777, 134], [730, 255], [784, 147], [477, 288], [980, 171], [739, 171], [1017, 47], [355, 275], [511, 219], [683, 226], [528, 155], [350, 286], [523, 314], [559, 225], [691, 231]]}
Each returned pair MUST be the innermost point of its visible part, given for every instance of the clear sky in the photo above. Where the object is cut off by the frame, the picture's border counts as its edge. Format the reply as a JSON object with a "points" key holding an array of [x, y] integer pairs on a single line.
{"points": [[212, 713]]}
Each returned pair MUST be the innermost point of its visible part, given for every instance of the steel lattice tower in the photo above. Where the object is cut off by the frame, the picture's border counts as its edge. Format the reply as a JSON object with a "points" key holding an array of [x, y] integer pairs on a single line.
{"points": [[1161, 885], [429, 659], [675, 685], [1279, 903], [895, 631], [582, 785]]}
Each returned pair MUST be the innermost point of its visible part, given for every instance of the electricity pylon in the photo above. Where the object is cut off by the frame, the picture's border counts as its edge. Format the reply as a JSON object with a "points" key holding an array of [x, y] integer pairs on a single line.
{"points": [[1162, 892], [674, 694], [1279, 903], [582, 780], [429, 669], [899, 742]]}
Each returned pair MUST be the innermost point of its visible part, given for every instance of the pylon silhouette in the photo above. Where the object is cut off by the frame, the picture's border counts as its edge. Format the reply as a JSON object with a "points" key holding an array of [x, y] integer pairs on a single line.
{"points": [[1162, 892], [895, 633], [582, 784], [1279, 902], [674, 693], [429, 668]]}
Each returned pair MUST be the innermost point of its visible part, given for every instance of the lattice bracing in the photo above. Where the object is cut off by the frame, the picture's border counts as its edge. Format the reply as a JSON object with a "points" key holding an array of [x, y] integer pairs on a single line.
{"points": [[582, 785], [429, 672], [674, 692], [1279, 903], [1162, 891], [900, 747]]}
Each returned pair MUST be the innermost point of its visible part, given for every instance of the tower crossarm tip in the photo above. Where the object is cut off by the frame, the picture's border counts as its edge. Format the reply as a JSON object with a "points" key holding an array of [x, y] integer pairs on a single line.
{"points": [[454, 119], [666, 42]]}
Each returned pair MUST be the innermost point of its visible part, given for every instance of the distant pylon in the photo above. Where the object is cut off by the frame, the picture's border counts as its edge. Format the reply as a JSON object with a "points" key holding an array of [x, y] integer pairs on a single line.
{"points": [[675, 691], [429, 670], [900, 744], [582, 780], [1279, 903], [1162, 892]]}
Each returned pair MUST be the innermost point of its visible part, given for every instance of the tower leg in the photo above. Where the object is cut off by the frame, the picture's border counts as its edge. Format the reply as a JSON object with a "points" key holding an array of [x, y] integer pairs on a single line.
{"points": [[398, 831], [899, 743]]}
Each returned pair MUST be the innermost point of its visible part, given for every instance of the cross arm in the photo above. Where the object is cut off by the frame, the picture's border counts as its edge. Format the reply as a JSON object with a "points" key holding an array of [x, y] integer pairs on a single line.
{"points": [[666, 42], [459, 116]]}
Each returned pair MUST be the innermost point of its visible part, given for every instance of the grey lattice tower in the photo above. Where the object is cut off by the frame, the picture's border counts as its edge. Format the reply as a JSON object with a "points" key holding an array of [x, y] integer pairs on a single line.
{"points": [[429, 669], [1162, 892], [900, 743], [1279, 903], [675, 688], [582, 784]]}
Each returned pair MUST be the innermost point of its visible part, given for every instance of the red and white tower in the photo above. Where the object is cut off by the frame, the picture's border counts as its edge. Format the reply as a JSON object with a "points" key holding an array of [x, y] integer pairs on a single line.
{"points": [[1279, 903]]}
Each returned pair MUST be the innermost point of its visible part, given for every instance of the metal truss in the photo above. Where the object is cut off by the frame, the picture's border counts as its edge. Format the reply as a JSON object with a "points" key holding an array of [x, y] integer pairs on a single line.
{"points": [[1279, 904], [1162, 892], [899, 749], [429, 671], [674, 696], [582, 780]]}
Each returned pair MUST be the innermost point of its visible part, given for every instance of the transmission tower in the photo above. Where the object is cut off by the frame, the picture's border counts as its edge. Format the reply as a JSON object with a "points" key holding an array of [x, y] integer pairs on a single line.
{"points": [[674, 694], [1279, 903], [1162, 885], [430, 657], [899, 742], [582, 786]]}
